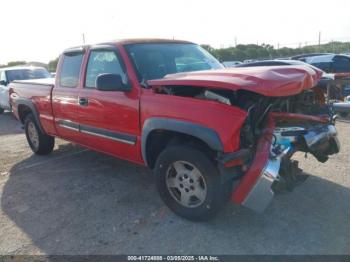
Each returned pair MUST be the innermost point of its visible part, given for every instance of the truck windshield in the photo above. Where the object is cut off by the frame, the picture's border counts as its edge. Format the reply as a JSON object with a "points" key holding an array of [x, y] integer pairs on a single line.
{"points": [[24, 74], [154, 61]]}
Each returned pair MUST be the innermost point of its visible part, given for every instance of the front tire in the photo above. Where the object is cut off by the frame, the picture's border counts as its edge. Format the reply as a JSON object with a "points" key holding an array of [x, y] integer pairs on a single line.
{"points": [[189, 183], [39, 142], [2, 110]]}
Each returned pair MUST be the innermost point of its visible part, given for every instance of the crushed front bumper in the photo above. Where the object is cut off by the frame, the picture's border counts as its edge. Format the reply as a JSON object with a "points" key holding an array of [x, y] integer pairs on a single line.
{"points": [[255, 188]]}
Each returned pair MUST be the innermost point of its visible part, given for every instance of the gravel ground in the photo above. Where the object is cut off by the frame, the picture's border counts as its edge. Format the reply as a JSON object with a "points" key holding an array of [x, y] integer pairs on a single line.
{"points": [[76, 201]]}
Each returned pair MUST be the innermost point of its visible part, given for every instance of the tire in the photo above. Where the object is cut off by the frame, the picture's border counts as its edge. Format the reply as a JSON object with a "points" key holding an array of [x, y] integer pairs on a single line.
{"points": [[2, 110], [40, 143], [179, 165]]}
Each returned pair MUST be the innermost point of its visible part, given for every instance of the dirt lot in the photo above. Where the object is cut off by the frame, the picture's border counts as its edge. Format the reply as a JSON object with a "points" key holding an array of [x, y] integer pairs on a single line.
{"points": [[76, 201]]}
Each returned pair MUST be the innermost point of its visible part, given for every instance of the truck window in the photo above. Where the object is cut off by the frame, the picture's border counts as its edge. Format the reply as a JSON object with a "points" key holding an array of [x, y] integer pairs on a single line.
{"points": [[70, 69], [103, 62], [154, 61]]}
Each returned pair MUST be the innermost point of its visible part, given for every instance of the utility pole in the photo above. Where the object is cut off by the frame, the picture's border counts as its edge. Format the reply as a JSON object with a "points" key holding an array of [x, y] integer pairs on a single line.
{"points": [[235, 41], [319, 39], [83, 39]]}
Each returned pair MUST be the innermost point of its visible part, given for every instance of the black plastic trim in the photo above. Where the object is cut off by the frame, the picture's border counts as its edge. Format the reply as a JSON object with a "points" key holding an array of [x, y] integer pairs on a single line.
{"points": [[112, 135], [68, 124], [207, 135], [120, 137], [30, 104]]}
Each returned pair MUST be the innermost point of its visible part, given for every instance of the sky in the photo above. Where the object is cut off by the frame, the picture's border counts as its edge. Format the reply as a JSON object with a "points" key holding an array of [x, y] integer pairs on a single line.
{"points": [[38, 30]]}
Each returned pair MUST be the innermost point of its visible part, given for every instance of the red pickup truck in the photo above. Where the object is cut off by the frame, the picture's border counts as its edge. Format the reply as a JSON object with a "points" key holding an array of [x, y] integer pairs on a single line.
{"points": [[210, 134]]}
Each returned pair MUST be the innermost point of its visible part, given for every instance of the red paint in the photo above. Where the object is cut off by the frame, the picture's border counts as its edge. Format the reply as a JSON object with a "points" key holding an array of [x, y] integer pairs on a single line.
{"points": [[224, 119], [341, 75], [268, 81]]}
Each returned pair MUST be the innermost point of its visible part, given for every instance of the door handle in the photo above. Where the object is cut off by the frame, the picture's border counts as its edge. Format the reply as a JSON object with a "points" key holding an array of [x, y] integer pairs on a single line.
{"points": [[83, 101]]}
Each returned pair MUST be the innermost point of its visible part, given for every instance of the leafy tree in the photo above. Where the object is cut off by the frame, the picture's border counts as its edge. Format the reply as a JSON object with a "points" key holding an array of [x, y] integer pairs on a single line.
{"points": [[14, 63], [266, 51], [53, 65]]}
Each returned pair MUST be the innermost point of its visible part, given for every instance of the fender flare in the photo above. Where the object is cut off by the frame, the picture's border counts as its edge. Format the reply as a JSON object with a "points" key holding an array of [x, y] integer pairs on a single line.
{"points": [[207, 135], [30, 104]]}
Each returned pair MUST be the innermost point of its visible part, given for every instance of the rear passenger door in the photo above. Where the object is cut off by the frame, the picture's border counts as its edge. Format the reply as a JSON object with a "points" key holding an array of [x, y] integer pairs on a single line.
{"points": [[65, 95], [109, 120]]}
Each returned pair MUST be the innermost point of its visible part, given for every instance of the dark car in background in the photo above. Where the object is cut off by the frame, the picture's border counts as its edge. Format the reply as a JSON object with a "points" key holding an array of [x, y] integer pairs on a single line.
{"points": [[330, 63], [302, 57], [272, 63]]}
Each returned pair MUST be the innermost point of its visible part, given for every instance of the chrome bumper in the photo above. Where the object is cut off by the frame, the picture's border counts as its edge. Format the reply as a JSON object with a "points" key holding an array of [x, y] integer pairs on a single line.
{"points": [[323, 140], [261, 194]]}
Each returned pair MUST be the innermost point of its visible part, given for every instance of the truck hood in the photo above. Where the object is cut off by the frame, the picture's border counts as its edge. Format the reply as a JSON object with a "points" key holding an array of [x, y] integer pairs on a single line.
{"points": [[267, 80]]}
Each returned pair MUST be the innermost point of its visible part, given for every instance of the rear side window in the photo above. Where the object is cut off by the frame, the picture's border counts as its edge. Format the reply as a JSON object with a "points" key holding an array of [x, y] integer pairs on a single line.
{"points": [[70, 69], [103, 62]]}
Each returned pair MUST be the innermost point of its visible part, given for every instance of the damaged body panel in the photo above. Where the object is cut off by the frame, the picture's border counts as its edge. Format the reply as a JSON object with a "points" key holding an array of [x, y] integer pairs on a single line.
{"points": [[284, 114], [268, 81], [275, 148]]}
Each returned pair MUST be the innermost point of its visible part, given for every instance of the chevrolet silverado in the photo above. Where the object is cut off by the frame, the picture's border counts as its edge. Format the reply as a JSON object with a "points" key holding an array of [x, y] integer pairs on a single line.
{"points": [[210, 134]]}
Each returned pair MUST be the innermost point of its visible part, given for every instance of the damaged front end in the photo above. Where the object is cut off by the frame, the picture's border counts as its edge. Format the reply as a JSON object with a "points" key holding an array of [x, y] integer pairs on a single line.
{"points": [[272, 170], [284, 112]]}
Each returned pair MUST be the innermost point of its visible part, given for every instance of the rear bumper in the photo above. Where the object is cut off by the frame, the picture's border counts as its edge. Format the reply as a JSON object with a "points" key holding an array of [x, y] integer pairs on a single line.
{"points": [[255, 188]]}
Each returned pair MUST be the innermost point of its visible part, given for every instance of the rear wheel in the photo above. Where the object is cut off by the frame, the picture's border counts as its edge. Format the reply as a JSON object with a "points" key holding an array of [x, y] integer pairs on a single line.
{"points": [[39, 142], [189, 183]]}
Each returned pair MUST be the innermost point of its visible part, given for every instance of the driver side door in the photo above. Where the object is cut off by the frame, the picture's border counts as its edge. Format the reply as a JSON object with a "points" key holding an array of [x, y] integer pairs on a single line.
{"points": [[109, 120]]}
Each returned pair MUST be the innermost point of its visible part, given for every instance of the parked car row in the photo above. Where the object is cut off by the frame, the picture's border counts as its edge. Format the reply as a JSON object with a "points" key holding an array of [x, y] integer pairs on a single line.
{"points": [[328, 62], [10, 74]]}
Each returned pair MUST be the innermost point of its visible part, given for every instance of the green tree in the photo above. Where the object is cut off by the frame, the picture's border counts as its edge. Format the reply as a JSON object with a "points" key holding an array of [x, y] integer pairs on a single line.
{"points": [[53, 65], [266, 51]]}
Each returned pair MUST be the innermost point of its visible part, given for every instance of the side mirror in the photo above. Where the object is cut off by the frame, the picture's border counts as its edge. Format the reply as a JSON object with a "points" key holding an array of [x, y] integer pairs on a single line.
{"points": [[3, 83], [111, 82]]}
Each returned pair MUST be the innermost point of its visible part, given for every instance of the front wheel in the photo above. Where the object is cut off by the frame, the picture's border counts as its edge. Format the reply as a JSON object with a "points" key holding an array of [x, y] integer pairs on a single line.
{"points": [[2, 110], [189, 183], [39, 142]]}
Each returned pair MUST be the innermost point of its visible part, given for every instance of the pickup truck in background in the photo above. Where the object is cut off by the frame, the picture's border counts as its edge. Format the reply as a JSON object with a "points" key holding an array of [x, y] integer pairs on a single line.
{"points": [[10, 74], [210, 134]]}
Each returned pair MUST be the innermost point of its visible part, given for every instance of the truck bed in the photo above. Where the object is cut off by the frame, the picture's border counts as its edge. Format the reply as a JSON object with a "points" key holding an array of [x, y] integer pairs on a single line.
{"points": [[35, 94]]}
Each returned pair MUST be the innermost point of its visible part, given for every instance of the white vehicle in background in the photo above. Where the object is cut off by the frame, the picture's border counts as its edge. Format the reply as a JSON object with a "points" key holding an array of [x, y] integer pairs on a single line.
{"points": [[10, 74], [342, 108], [229, 64]]}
